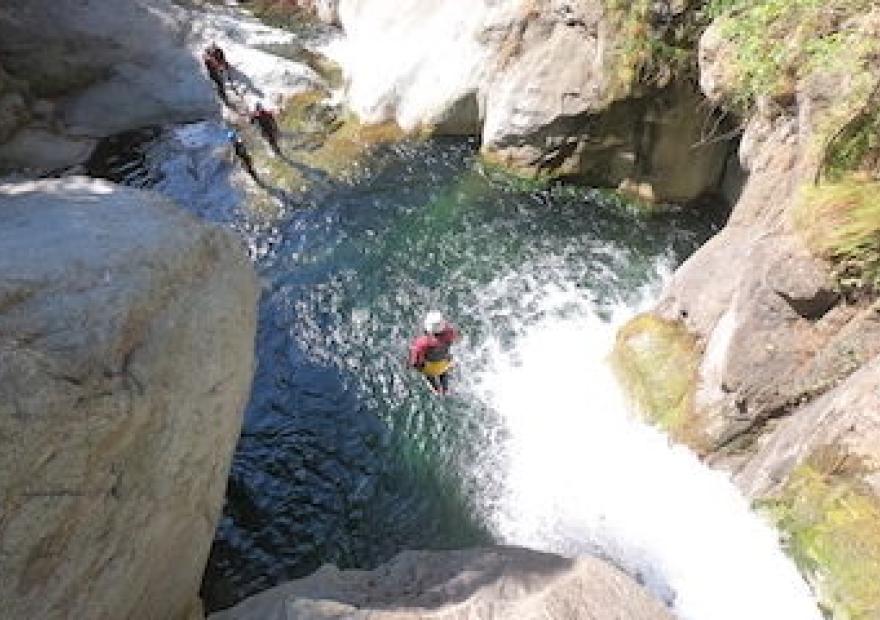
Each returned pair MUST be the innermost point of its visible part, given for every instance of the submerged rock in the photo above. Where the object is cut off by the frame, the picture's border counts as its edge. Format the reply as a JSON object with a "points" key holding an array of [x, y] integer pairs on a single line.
{"points": [[499, 582], [126, 355]]}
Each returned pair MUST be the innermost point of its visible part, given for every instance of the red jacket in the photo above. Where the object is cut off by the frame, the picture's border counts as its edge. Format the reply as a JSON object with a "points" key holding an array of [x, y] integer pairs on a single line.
{"points": [[432, 347], [214, 66], [215, 56]]}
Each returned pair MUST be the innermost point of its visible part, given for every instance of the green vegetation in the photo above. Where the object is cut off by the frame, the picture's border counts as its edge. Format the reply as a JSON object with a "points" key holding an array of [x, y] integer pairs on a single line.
{"points": [[320, 137], [653, 51], [841, 222], [779, 42], [856, 147], [830, 521], [820, 47], [657, 361], [288, 14]]}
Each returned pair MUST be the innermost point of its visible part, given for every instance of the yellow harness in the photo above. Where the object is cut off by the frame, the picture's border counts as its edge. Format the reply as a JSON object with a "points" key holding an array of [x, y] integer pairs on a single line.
{"points": [[435, 369]]}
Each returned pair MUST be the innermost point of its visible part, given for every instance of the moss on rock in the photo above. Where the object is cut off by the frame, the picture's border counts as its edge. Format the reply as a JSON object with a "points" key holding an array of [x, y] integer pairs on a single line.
{"points": [[348, 143], [830, 520], [502, 168], [318, 138], [657, 361]]}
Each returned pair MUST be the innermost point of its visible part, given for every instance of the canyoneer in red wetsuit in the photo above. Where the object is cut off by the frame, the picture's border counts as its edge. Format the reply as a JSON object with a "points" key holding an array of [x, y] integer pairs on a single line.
{"points": [[429, 353], [218, 68]]}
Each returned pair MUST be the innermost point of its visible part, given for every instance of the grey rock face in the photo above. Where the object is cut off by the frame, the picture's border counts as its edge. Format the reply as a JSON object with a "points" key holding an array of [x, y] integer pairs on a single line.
{"points": [[845, 418], [116, 66], [776, 334], [77, 71], [126, 353], [540, 81], [492, 583]]}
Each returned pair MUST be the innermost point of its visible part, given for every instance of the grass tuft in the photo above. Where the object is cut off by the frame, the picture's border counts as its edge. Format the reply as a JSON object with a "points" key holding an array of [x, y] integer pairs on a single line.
{"points": [[780, 42], [841, 222], [830, 520], [655, 48]]}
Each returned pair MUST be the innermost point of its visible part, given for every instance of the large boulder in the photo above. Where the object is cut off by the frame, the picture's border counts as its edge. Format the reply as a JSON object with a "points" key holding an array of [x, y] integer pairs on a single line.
{"points": [[104, 67], [547, 84], [126, 355], [499, 582], [114, 65], [774, 332]]}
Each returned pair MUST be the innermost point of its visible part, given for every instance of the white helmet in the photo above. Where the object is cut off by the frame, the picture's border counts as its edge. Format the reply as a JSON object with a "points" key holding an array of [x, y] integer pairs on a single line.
{"points": [[434, 322]]}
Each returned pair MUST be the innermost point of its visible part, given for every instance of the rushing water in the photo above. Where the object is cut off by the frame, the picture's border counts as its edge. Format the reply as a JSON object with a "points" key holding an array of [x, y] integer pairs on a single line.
{"points": [[346, 458]]}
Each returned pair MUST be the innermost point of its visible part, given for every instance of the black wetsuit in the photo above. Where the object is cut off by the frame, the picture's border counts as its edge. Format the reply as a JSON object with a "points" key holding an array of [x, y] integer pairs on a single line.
{"points": [[215, 71], [268, 127], [245, 157]]}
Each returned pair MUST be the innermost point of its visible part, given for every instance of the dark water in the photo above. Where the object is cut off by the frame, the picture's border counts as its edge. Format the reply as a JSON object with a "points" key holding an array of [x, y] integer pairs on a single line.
{"points": [[344, 456]]}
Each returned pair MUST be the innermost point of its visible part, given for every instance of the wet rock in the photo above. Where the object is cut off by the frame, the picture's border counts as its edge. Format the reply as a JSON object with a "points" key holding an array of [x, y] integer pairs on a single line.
{"points": [[126, 354], [499, 582], [657, 362]]}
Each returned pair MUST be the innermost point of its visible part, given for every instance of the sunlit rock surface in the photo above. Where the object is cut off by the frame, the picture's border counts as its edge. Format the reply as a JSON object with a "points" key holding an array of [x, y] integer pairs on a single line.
{"points": [[543, 83], [785, 395], [105, 67], [500, 582], [126, 355]]}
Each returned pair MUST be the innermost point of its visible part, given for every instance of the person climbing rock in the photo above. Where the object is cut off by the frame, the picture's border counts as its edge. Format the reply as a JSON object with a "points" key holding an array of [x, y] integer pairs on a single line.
{"points": [[429, 353], [265, 120], [218, 67], [217, 53], [242, 153]]}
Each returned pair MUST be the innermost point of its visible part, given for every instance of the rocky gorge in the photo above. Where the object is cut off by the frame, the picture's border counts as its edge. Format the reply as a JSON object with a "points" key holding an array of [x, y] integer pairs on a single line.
{"points": [[127, 327]]}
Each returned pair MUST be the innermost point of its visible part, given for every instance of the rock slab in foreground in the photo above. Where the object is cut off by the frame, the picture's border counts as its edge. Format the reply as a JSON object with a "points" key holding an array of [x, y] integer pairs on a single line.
{"points": [[499, 582], [126, 354]]}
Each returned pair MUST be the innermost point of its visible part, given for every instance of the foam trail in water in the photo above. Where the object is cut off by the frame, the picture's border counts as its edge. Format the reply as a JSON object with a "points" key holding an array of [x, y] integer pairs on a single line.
{"points": [[583, 475]]}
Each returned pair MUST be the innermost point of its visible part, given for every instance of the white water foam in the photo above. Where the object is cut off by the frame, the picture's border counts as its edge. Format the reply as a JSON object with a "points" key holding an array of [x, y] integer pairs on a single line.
{"points": [[429, 54], [585, 476]]}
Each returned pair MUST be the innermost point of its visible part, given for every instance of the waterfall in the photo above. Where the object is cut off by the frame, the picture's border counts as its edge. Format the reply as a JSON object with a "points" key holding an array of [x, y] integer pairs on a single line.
{"points": [[409, 61], [539, 285], [584, 476]]}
